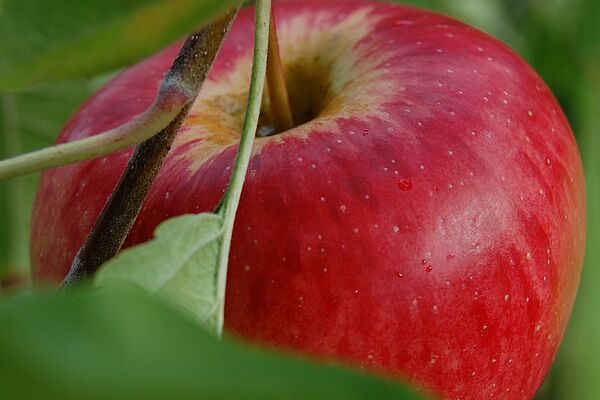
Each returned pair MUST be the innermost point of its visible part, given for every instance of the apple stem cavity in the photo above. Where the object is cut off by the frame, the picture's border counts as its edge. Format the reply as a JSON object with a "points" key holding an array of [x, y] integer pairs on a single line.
{"points": [[281, 112], [178, 91]]}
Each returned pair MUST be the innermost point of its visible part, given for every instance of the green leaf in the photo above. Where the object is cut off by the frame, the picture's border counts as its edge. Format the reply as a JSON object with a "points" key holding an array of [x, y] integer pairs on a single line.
{"points": [[179, 264], [123, 344], [187, 261], [46, 40]]}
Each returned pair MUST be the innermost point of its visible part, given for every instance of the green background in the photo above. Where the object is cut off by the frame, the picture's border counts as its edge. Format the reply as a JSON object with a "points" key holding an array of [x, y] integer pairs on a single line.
{"points": [[560, 38]]}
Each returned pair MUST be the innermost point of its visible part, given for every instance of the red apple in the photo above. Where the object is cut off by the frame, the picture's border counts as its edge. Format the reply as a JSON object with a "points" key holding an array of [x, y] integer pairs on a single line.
{"points": [[425, 220]]}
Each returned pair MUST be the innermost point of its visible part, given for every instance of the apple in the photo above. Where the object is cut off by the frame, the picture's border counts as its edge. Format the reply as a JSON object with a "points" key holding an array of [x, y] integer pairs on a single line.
{"points": [[424, 220]]}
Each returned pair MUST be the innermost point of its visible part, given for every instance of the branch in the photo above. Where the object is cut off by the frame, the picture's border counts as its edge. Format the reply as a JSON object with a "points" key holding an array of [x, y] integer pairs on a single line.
{"points": [[164, 109], [186, 76]]}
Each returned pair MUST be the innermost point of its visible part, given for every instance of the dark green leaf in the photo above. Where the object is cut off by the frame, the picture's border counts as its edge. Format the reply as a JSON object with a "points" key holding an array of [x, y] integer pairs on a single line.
{"points": [[118, 344], [48, 40]]}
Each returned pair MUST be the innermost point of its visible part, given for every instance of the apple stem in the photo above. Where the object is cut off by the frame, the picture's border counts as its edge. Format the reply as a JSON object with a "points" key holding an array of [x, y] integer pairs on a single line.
{"points": [[187, 74], [281, 112]]}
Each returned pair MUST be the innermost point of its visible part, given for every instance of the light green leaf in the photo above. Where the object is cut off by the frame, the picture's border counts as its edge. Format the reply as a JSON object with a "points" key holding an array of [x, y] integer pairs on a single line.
{"points": [[179, 264], [120, 343], [47, 40], [187, 261]]}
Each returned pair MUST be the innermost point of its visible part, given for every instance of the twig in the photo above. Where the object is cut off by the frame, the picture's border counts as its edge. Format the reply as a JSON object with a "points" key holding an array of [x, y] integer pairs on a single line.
{"points": [[157, 117], [186, 76], [177, 90]]}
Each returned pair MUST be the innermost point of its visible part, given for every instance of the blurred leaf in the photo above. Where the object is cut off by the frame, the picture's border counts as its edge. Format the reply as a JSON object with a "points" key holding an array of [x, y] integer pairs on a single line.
{"points": [[180, 263], [46, 40], [117, 344], [28, 121], [579, 360]]}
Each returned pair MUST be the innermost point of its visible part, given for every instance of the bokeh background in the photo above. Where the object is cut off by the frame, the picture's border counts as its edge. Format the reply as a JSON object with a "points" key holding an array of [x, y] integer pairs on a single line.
{"points": [[560, 38]]}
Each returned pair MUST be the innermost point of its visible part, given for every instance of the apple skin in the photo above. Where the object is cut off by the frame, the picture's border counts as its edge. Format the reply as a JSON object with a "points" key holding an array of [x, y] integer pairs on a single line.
{"points": [[426, 222]]}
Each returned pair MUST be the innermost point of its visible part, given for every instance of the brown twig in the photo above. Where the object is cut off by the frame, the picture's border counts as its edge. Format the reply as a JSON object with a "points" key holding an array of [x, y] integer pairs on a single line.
{"points": [[185, 77]]}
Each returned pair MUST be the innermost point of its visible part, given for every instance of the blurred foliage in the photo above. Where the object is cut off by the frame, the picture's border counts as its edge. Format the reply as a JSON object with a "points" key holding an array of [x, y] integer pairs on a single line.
{"points": [[112, 344], [43, 40], [28, 121], [560, 38]]}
